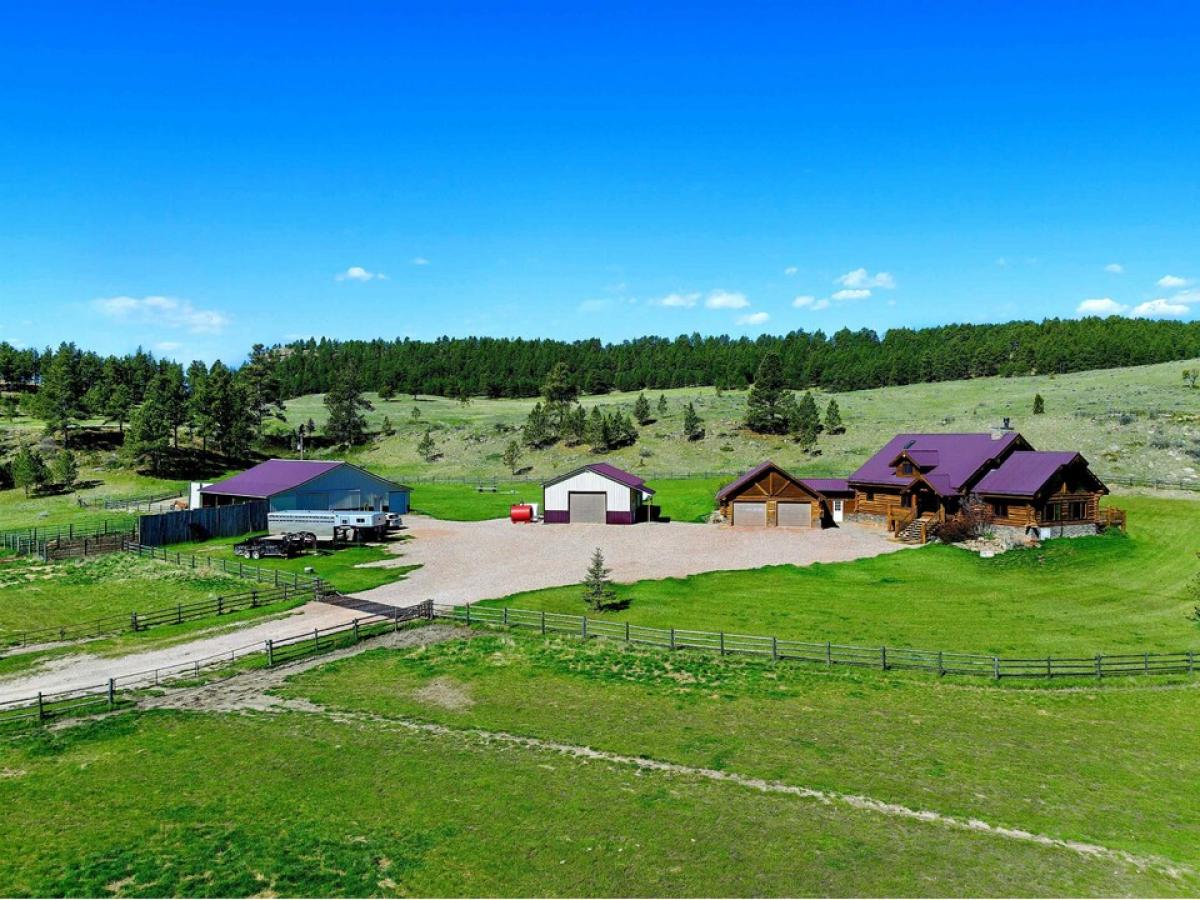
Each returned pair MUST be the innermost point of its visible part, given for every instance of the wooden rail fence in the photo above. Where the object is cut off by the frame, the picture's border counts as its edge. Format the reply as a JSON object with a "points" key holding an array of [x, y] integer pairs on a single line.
{"points": [[63, 540], [943, 662], [256, 573], [122, 690]]}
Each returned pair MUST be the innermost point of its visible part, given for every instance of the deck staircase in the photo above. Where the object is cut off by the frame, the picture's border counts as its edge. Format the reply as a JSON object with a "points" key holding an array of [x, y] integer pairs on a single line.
{"points": [[919, 530]]}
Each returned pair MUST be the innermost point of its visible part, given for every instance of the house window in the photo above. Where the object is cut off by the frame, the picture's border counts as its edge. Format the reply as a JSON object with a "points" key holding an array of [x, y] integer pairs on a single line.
{"points": [[1053, 512], [1000, 509], [906, 468], [870, 495], [1078, 510]]}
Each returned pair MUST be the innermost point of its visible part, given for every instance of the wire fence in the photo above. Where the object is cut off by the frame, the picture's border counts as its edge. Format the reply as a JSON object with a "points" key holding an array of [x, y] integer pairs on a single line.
{"points": [[122, 690], [1158, 484], [36, 540], [942, 662]]}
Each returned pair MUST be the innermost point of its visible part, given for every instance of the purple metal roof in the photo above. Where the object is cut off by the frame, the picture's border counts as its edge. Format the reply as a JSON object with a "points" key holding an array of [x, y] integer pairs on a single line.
{"points": [[620, 476], [272, 477], [827, 485], [958, 457], [1025, 472]]}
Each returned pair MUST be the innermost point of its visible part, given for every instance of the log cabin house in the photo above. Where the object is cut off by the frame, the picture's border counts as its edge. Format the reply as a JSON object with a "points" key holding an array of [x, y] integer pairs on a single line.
{"points": [[917, 481], [767, 496]]}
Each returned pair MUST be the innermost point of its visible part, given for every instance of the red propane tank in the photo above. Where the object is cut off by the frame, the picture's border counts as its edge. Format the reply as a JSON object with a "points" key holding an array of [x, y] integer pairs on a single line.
{"points": [[520, 512]]}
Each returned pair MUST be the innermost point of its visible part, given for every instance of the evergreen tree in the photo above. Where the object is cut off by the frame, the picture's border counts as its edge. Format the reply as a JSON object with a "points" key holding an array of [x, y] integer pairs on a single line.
{"points": [[537, 432], [1191, 376], [804, 421], [387, 390], [596, 433], [8, 407], [693, 425], [173, 396], [63, 470], [766, 409], [345, 402], [598, 592], [224, 415], [28, 469], [58, 400], [197, 372], [512, 456], [833, 418], [416, 414], [386, 428], [149, 434], [310, 426], [118, 405], [264, 393], [662, 405], [427, 448], [1039, 405], [641, 410], [575, 426]]}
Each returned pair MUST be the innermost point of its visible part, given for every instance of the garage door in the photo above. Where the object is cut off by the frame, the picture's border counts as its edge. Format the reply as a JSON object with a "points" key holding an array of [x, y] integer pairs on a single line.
{"points": [[588, 507], [749, 514], [796, 515]]}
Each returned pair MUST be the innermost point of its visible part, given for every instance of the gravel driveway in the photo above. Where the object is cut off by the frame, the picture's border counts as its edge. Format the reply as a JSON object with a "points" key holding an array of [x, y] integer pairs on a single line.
{"points": [[463, 562]]}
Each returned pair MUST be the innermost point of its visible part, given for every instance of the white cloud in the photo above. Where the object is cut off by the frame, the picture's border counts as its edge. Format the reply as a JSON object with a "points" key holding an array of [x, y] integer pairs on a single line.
{"points": [[807, 301], [165, 312], [758, 318], [1115, 268], [1153, 309], [1192, 296], [1100, 306], [790, 270], [678, 300], [167, 346], [851, 294], [420, 261], [594, 306], [719, 299], [1173, 281], [861, 278], [358, 273]]}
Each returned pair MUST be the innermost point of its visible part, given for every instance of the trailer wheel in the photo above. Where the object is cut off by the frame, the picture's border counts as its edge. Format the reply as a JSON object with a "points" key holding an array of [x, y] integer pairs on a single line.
{"points": [[256, 553]]}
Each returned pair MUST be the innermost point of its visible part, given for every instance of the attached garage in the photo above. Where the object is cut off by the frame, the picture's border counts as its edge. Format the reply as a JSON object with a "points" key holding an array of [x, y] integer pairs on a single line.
{"points": [[769, 496], [598, 494]]}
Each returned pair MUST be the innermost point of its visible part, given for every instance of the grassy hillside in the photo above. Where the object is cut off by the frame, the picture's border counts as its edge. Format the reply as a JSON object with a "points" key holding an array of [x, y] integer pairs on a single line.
{"points": [[1141, 422]]}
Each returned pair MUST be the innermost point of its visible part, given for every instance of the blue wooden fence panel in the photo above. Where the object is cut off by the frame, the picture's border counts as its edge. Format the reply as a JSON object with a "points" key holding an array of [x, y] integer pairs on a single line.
{"points": [[202, 524]]}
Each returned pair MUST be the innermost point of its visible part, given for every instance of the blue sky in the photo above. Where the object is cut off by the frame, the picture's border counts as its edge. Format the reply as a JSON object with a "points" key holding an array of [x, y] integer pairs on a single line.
{"points": [[194, 178]]}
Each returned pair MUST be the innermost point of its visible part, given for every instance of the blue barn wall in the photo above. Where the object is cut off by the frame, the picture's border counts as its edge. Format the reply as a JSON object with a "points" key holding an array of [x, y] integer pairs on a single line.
{"points": [[343, 488]]}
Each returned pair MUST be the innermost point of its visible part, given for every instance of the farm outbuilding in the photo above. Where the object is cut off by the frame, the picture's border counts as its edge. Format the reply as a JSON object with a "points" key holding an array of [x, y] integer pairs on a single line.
{"points": [[308, 484], [768, 496], [598, 494]]}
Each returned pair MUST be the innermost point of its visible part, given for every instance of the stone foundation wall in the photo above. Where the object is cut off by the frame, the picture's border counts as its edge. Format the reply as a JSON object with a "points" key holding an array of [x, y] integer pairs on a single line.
{"points": [[867, 519], [1014, 534]]}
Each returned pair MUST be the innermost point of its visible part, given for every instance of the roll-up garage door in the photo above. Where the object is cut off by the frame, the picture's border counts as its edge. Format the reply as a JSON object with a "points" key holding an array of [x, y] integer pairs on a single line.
{"points": [[588, 508], [796, 515], [749, 513]]}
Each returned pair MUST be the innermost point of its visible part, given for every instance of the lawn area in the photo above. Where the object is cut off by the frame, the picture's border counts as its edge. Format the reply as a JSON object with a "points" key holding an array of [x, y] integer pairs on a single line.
{"points": [[348, 569], [679, 499], [1116, 764], [1104, 594], [153, 804], [36, 595]]}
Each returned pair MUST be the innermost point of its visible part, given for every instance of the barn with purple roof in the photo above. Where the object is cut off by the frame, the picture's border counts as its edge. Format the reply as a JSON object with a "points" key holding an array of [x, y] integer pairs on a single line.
{"points": [[308, 484], [596, 494]]}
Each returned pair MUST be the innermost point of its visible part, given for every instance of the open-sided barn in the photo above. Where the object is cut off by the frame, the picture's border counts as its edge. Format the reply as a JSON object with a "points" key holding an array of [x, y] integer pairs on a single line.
{"points": [[308, 484], [597, 494]]}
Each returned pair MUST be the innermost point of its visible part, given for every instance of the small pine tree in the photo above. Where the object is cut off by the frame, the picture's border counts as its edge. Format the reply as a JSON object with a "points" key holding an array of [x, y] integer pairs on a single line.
{"points": [[310, 427], [693, 425], [1190, 377], [512, 456], [804, 422], [767, 403], [537, 432], [1039, 405], [662, 404], [64, 471], [28, 469], [575, 426], [833, 418], [641, 410], [388, 391], [387, 428], [416, 414], [427, 447], [598, 591], [597, 430]]}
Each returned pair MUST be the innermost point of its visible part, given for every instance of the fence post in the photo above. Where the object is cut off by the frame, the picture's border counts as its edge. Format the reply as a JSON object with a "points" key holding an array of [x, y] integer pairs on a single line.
{"points": [[505, 615], [627, 632], [996, 667], [1099, 667], [672, 638], [543, 621], [583, 628], [133, 620], [941, 667], [1049, 668], [316, 639], [1191, 656], [1146, 662], [828, 653], [270, 653], [356, 631], [774, 648], [112, 693], [178, 613], [396, 620], [722, 643], [468, 613], [883, 658], [220, 606], [41, 707]]}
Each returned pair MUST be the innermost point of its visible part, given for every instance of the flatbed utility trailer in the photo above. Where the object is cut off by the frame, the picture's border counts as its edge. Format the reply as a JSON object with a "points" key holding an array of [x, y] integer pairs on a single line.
{"points": [[280, 546]]}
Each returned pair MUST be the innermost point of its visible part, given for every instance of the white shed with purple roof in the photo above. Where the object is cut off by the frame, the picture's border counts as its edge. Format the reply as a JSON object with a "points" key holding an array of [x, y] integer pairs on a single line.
{"points": [[596, 494]]}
